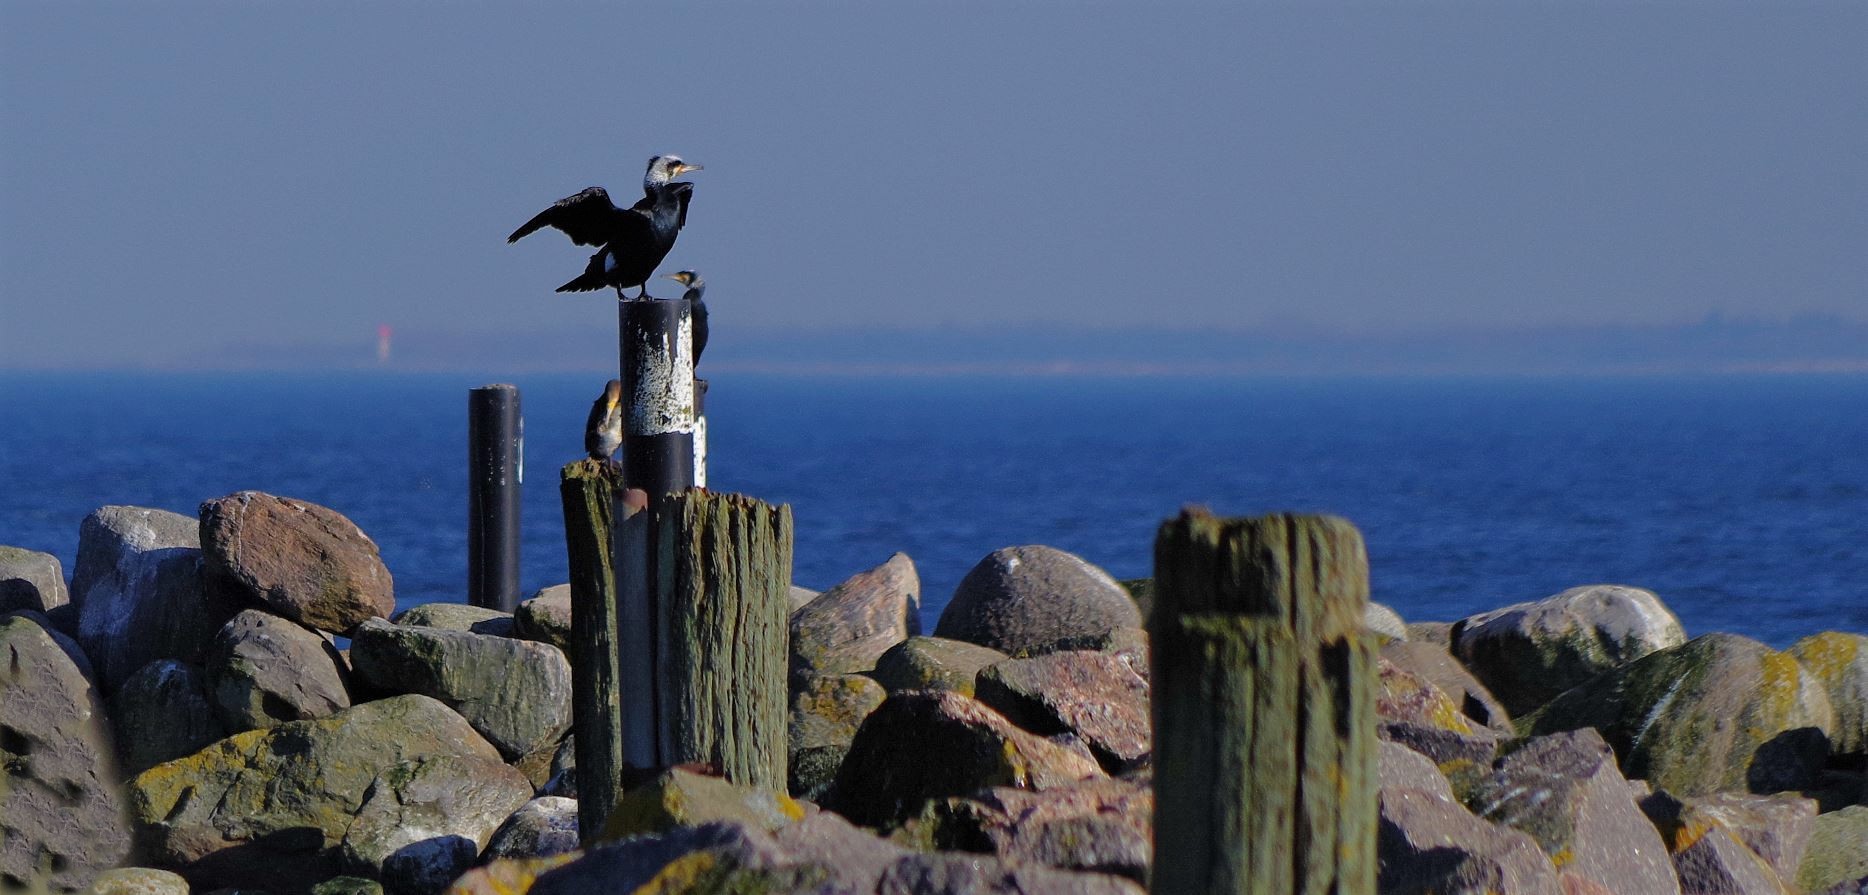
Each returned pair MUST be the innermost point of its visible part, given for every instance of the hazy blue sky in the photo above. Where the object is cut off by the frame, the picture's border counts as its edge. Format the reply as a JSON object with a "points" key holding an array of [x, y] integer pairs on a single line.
{"points": [[185, 182]]}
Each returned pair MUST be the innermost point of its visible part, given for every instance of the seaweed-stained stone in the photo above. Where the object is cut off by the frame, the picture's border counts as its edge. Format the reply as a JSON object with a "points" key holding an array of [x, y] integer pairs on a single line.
{"points": [[929, 744], [922, 663], [517, 693], [1718, 863], [459, 617], [1838, 851], [825, 714], [61, 813], [348, 885], [1021, 598], [270, 808], [1429, 844], [1565, 792], [162, 713], [425, 820], [541, 827], [1432, 662], [1776, 828], [263, 670], [546, 617], [1097, 696], [1528, 653], [30, 579], [847, 628], [303, 561], [1840, 662], [683, 798], [137, 589], [1720, 713]]}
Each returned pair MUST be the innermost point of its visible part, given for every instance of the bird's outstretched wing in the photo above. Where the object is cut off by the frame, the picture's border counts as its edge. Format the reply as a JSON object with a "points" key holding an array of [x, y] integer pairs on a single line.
{"points": [[589, 218], [684, 191]]}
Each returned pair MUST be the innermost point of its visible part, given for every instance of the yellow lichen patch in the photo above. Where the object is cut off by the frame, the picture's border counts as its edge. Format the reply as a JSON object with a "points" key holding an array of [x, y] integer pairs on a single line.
{"points": [[789, 807], [1781, 676], [1828, 654], [158, 789], [1563, 857], [682, 874], [509, 876], [1685, 834]]}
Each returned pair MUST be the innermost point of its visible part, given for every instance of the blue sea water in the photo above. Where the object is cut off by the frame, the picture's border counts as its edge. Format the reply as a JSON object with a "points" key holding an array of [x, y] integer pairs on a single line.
{"points": [[1742, 501]]}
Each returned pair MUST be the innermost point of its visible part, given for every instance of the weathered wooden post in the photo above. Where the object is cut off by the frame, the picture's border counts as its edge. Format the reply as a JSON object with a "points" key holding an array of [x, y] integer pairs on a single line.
{"points": [[495, 476], [1264, 707], [587, 488]]}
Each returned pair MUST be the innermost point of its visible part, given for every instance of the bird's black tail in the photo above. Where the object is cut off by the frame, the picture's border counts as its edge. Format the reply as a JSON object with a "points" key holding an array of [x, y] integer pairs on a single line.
{"points": [[591, 280]]}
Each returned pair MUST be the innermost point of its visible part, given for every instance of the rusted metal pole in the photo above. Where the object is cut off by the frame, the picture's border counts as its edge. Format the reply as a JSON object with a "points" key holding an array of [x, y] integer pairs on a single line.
{"points": [[495, 477]]}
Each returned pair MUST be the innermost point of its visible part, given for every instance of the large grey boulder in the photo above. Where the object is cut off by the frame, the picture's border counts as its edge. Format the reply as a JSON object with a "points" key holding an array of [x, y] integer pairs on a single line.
{"points": [[1099, 697], [679, 797], [922, 663], [1838, 853], [30, 579], [137, 589], [825, 714], [1776, 828], [846, 629], [1411, 711], [1095, 826], [517, 693], [162, 713], [303, 561], [1431, 662], [270, 808], [425, 820], [928, 744], [1019, 599], [1429, 844], [1717, 862], [955, 873], [1565, 792], [1528, 653], [1720, 713], [546, 617], [138, 881], [263, 670], [542, 827], [1840, 662], [459, 617], [61, 812]]}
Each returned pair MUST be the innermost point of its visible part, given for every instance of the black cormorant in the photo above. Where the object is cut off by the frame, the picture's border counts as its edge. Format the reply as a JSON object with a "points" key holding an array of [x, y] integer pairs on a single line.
{"points": [[696, 287], [634, 240], [603, 432]]}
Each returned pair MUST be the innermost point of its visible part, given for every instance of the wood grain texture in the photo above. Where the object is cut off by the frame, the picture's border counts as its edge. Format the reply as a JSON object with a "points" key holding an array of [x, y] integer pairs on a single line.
{"points": [[587, 488]]}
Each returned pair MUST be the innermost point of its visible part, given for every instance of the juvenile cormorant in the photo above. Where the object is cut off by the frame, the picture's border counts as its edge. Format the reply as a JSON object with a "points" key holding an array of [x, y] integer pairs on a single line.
{"points": [[634, 240], [696, 287], [603, 432]]}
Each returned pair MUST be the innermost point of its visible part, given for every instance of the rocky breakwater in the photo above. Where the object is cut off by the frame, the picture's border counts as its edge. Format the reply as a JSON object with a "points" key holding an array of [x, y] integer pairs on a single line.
{"points": [[1575, 744]]}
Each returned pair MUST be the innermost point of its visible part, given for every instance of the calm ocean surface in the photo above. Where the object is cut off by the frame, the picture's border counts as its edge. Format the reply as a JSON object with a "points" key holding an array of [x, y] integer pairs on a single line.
{"points": [[1742, 501]]}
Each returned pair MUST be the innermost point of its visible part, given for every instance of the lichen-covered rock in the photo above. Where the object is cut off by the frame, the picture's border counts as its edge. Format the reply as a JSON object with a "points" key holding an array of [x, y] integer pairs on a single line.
{"points": [[1411, 711], [61, 813], [137, 589], [30, 579], [1432, 662], [928, 744], [1838, 851], [348, 885], [1776, 828], [1565, 791], [1099, 697], [683, 798], [269, 808], [1717, 862], [922, 663], [543, 827], [1021, 598], [162, 713], [964, 874], [138, 881], [825, 714], [798, 596], [517, 693], [263, 670], [855, 857], [1528, 653], [1429, 844], [1399, 767], [303, 561], [459, 617], [1840, 662], [546, 617], [508, 876], [846, 629], [1718, 713], [425, 820], [1095, 826], [715, 857]]}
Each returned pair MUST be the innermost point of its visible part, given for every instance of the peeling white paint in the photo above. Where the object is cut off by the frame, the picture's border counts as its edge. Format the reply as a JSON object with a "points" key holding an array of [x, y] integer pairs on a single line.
{"points": [[662, 398], [700, 452]]}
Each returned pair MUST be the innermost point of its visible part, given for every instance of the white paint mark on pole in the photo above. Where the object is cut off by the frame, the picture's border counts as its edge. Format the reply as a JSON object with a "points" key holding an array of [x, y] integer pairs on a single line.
{"points": [[663, 399]]}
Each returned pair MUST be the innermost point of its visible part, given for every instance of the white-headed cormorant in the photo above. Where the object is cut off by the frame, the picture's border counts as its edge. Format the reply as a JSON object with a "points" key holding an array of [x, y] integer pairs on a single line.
{"points": [[634, 240], [696, 288], [603, 431]]}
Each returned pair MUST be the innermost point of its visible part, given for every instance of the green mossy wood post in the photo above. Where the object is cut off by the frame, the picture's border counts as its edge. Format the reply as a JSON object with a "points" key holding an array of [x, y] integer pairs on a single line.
{"points": [[1264, 707], [587, 488], [722, 579]]}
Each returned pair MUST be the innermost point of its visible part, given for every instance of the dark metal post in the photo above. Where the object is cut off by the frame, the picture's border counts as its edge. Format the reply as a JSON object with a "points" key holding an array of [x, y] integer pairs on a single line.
{"points": [[495, 474], [656, 345]]}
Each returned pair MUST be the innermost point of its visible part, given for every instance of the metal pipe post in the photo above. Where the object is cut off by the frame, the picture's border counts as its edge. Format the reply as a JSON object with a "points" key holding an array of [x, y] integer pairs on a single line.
{"points": [[495, 475]]}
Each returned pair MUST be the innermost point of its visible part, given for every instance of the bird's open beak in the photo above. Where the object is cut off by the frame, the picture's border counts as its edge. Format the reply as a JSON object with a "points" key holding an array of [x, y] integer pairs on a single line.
{"points": [[676, 277], [684, 167]]}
